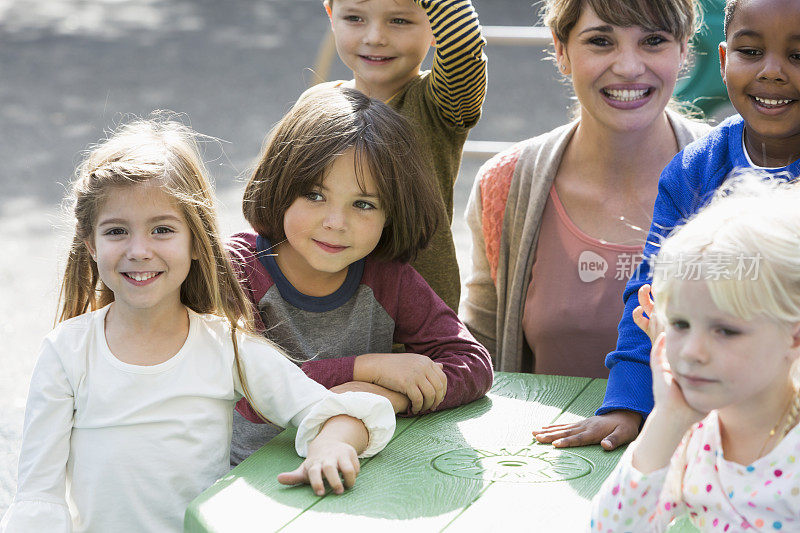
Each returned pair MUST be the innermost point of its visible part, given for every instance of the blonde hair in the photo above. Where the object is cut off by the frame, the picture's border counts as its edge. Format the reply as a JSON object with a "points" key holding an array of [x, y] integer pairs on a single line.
{"points": [[750, 231], [161, 153], [322, 125], [677, 17], [752, 218]]}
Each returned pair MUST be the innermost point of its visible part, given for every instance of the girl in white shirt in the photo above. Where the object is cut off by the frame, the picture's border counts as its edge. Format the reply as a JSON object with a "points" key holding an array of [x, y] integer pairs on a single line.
{"points": [[130, 408], [722, 443]]}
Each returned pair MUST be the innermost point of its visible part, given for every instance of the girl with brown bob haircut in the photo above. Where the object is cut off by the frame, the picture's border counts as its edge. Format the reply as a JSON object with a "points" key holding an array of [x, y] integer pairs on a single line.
{"points": [[340, 200], [317, 130]]}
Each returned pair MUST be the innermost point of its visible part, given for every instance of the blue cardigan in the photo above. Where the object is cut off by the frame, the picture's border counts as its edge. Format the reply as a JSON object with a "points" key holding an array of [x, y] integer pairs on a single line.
{"points": [[686, 185]]}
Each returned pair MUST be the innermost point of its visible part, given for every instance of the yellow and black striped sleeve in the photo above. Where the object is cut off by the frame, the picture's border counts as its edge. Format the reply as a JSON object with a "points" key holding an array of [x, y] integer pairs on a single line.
{"points": [[458, 75]]}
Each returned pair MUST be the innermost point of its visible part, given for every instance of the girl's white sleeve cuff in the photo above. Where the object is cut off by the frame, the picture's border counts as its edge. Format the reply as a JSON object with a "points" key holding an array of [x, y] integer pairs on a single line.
{"points": [[375, 411], [25, 516]]}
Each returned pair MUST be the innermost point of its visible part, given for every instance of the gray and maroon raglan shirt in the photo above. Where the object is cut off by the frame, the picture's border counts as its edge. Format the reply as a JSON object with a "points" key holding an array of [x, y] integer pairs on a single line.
{"points": [[379, 303]]}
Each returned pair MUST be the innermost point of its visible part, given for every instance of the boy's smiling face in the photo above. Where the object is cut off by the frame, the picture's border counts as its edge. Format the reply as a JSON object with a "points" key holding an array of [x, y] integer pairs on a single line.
{"points": [[382, 41], [760, 64]]}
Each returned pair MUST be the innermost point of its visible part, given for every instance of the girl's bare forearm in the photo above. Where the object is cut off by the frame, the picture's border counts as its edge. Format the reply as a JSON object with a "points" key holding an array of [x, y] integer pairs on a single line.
{"points": [[344, 428], [656, 444]]}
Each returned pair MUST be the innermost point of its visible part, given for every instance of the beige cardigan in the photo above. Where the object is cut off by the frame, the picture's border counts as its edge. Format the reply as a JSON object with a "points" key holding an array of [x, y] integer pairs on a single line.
{"points": [[493, 311]]}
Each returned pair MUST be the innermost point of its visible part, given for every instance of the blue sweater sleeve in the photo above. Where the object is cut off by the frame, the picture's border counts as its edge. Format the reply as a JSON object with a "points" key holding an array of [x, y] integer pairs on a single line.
{"points": [[629, 381], [685, 185]]}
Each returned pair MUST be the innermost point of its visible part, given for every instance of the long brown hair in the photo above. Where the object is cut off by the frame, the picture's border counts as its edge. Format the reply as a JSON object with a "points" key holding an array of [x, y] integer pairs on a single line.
{"points": [[318, 129], [162, 153]]}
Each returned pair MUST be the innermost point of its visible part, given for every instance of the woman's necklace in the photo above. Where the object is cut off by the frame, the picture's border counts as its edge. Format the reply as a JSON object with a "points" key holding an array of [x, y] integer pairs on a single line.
{"points": [[783, 424]]}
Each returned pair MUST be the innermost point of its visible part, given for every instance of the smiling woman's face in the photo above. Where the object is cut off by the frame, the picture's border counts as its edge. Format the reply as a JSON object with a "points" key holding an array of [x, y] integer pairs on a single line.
{"points": [[623, 77]]}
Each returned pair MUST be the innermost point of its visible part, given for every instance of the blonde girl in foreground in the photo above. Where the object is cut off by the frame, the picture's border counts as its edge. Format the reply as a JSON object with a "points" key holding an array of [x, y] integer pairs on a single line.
{"points": [[727, 293], [130, 407]]}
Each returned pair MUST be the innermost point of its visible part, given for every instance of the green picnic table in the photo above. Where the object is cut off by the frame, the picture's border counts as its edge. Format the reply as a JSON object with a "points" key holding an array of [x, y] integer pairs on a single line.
{"points": [[473, 468]]}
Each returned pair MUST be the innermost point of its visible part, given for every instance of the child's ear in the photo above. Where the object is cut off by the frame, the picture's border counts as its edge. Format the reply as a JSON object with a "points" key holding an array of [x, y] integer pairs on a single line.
{"points": [[90, 248], [796, 336], [328, 10], [562, 59], [723, 56]]}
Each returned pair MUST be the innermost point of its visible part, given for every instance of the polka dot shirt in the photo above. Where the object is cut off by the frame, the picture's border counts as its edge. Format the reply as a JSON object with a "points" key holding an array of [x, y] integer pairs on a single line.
{"points": [[717, 495]]}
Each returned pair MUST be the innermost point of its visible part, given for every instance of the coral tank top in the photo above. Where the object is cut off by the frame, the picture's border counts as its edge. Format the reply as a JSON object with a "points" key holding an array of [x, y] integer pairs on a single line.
{"points": [[574, 299]]}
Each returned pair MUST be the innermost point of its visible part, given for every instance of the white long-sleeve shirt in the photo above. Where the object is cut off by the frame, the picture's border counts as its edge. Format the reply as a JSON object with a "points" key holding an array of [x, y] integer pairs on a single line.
{"points": [[109, 446], [717, 494]]}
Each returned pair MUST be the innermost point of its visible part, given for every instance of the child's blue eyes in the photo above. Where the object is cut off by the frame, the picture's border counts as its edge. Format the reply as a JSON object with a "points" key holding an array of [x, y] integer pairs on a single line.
{"points": [[358, 204], [361, 204], [679, 324]]}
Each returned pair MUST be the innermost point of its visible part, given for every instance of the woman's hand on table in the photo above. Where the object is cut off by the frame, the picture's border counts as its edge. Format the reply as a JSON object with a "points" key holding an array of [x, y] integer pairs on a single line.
{"points": [[611, 430], [334, 450]]}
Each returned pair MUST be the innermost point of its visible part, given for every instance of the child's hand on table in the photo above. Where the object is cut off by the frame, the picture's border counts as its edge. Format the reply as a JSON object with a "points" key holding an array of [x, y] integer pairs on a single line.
{"points": [[614, 428], [611, 430], [418, 377], [334, 450]]}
